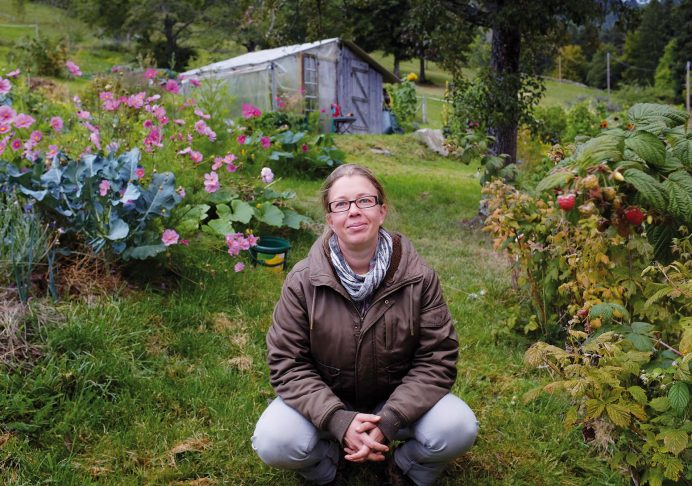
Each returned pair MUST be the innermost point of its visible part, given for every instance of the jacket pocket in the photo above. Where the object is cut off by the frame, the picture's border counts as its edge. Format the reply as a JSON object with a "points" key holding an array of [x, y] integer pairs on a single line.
{"points": [[341, 381], [435, 317]]}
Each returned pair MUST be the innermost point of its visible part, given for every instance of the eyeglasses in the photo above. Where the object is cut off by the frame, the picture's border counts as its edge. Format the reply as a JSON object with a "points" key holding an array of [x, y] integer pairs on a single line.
{"points": [[363, 202]]}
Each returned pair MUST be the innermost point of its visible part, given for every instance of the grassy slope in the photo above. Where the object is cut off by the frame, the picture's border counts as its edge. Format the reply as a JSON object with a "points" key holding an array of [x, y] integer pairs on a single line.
{"points": [[129, 377]]}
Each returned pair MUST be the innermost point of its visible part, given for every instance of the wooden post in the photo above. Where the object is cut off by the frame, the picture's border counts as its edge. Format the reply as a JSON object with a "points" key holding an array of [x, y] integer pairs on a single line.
{"points": [[424, 108], [608, 73], [687, 83]]}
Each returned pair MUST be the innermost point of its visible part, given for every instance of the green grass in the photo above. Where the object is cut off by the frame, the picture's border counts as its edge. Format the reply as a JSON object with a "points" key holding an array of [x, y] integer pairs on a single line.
{"points": [[164, 383]]}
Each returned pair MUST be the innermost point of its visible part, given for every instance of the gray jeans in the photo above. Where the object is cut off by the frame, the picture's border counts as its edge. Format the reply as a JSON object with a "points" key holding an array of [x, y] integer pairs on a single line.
{"points": [[285, 439]]}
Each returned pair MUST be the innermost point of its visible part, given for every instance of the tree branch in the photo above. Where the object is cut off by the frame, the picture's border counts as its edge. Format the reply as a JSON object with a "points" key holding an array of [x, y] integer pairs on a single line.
{"points": [[471, 13]]}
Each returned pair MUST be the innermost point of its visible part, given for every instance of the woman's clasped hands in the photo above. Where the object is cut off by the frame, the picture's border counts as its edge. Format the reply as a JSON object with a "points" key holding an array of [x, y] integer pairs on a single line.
{"points": [[364, 440]]}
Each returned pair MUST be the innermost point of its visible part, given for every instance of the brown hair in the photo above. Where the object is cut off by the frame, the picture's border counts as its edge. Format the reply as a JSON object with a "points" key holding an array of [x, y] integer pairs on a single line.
{"points": [[350, 170]]}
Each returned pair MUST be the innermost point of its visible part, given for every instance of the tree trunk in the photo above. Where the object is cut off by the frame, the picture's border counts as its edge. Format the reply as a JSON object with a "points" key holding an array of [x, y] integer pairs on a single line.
{"points": [[421, 77], [504, 67], [171, 41], [396, 65]]}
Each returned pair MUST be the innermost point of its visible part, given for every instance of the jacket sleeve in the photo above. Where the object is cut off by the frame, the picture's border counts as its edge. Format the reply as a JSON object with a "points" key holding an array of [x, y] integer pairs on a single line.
{"points": [[291, 366], [433, 369]]}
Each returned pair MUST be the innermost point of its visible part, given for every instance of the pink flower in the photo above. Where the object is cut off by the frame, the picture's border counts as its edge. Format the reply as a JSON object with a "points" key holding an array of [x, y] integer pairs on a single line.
{"points": [[252, 240], [83, 114], [56, 124], [194, 82], [238, 267], [111, 105], [181, 191], [23, 121], [267, 175], [241, 139], [103, 187], [211, 182], [185, 242], [16, 144], [36, 136], [5, 86], [211, 135], [305, 147], [266, 142], [139, 172], [185, 151], [14, 74], [148, 124], [150, 73], [196, 157], [153, 139], [105, 95], [250, 111], [112, 147], [201, 127], [172, 86], [3, 145], [73, 68], [136, 101], [218, 162], [5, 128], [52, 151], [201, 114], [7, 114], [170, 237], [231, 167], [179, 121]]}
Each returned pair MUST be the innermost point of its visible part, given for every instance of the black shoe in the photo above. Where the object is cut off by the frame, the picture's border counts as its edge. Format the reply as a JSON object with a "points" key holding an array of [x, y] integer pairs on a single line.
{"points": [[395, 476]]}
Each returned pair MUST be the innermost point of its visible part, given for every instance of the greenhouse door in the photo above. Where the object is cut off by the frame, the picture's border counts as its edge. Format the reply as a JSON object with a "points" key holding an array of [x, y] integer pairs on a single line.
{"points": [[360, 88]]}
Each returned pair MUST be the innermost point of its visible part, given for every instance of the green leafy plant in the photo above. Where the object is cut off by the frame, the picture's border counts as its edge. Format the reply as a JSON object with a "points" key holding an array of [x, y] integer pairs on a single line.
{"points": [[404, 102]]}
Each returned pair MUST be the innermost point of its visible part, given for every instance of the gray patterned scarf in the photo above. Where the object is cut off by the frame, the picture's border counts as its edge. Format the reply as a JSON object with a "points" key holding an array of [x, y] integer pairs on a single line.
{"points": [[360, 288]]}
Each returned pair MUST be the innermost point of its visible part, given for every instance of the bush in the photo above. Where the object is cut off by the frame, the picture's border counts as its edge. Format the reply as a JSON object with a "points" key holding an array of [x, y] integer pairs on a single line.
{"points": [[584, 259], [550, 124], [43, 56], [404, 102]]}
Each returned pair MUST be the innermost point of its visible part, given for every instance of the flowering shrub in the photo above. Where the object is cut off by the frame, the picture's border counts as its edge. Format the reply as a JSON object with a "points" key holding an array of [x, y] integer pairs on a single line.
{"points": [[102, 165], [583, 244], [404, 102]]}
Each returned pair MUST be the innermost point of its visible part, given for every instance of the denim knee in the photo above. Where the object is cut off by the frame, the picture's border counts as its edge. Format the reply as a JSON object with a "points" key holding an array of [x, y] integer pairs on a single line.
{"points": [[451, 432]]}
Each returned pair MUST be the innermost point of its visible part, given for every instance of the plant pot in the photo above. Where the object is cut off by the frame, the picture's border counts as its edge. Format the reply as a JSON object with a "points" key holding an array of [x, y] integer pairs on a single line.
{"points": [[271, 252]]}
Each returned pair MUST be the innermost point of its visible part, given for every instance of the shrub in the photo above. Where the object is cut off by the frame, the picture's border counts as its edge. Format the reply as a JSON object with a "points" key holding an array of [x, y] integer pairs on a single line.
{"points": [[404, 102], [550, 124], [584, 258]]}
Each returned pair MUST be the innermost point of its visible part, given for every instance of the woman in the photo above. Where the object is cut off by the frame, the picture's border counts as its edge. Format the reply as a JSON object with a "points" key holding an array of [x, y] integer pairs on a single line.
{"points": [[362, 351]]}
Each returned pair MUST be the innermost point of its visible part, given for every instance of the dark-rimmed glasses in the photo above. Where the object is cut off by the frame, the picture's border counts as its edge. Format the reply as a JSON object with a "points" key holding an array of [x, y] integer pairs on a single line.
{"points": [[363, 202]]}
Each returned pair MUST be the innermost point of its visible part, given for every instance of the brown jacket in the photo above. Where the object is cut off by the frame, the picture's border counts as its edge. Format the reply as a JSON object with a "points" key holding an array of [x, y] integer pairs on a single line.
{"points": [[326, 361]]}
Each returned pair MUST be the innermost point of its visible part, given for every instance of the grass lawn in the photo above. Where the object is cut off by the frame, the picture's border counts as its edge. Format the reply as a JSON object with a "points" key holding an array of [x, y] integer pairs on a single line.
{"points": [[162, 381]]}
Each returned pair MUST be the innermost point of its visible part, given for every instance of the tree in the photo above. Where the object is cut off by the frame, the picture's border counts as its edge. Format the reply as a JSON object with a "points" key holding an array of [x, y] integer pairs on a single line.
{"points": [[524, 32], [683, 49], [597, 75], [663, 79], [572, 63], [644, 46]]}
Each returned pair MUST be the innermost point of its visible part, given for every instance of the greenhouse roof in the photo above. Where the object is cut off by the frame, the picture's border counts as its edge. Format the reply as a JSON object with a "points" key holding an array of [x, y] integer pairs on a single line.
{"points": [[255, 61]]}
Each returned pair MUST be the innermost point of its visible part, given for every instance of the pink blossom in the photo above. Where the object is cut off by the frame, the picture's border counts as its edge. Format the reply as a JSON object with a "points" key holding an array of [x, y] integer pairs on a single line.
{"points": [[172, 86], [7, 114], [29, 144], [211, 135], [170, 237], [83, 114], [150, 73], [148, 124], [153, 98], [139, 172], [3, 145], [163, 120], [194, 82], [56, 124], [211, 182], [185, 242], [218, 162], [16, 144], [77, 100], [153, 138], [73, 68], [181, 191], [5, 86], [201, 127], [266, 142], [14, 74], [196, 157], [201, 114], [36, 136], [252, 239], [239, 267], [179, 121], [136, 101], [305, 147], [112, 147], [105, 95], [241, 139], [31, 155], [185, 151], [52, 151], [158, 111], [111, 105], [23, 120], [90, 127], [250, 111], [267, 175], [103, 187], [5, 128]]}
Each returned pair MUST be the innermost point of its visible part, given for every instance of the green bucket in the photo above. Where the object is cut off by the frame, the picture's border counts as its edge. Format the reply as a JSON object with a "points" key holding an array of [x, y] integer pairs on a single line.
{"points": [[270, 251]]}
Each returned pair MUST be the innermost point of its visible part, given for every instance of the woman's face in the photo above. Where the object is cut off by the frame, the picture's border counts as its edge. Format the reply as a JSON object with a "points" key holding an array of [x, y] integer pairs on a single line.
{"points": [[357, 228]]}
